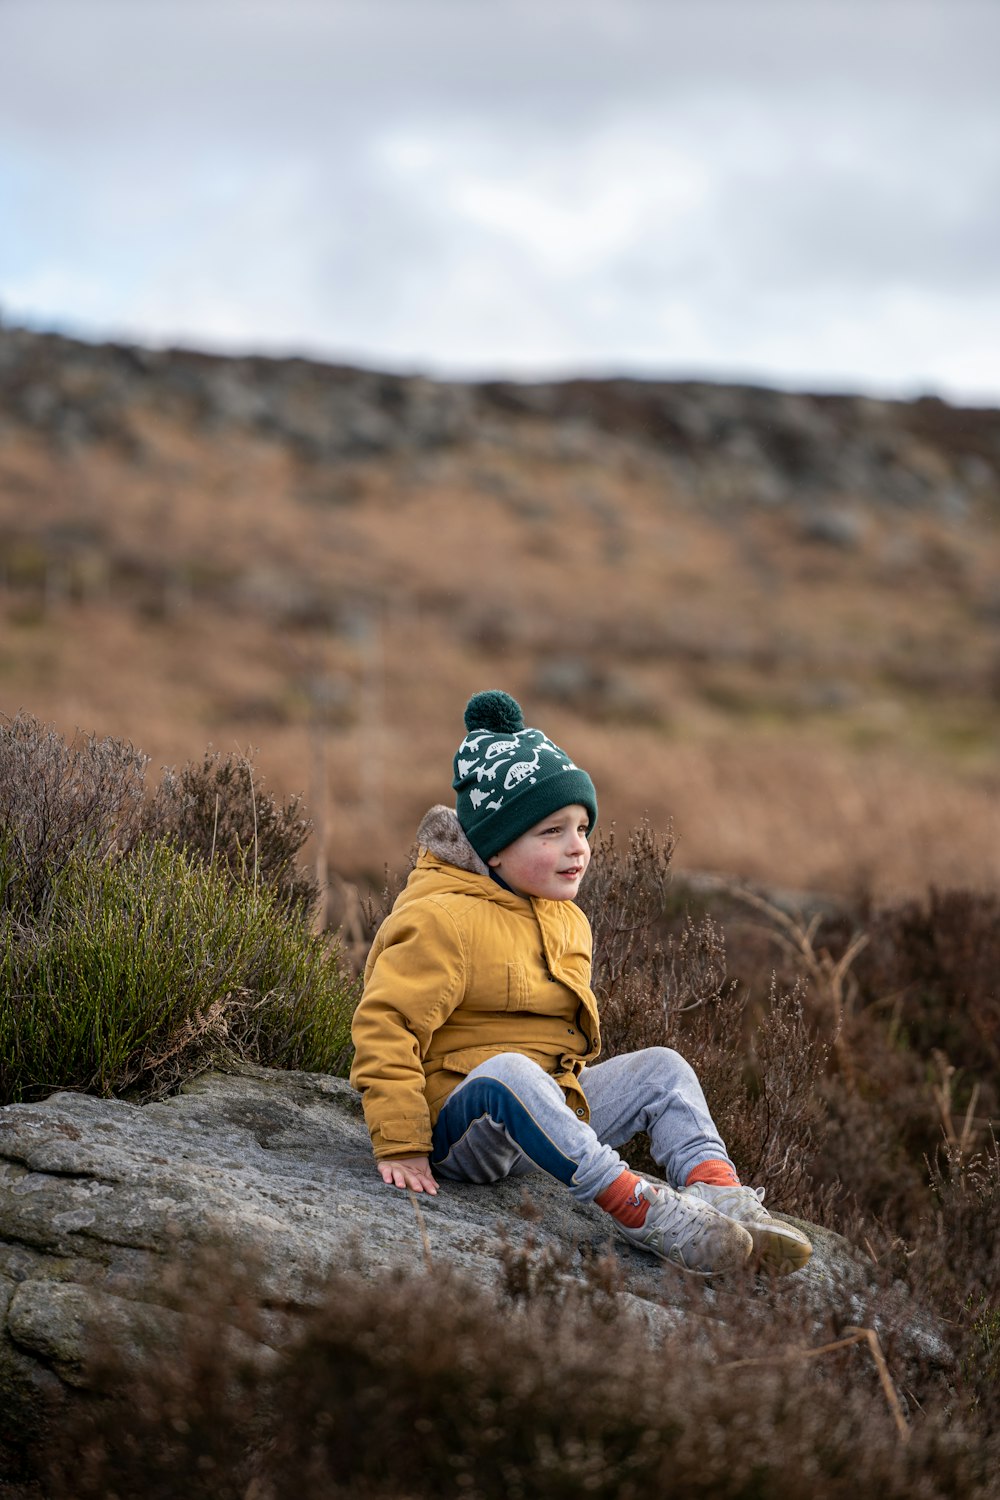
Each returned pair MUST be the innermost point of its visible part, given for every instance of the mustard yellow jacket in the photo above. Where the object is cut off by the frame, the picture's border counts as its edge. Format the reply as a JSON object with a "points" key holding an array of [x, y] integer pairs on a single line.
{"points": [[460, 970]]}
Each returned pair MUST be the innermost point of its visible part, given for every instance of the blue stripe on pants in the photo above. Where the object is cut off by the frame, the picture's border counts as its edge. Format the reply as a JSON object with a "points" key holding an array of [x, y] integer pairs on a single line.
{"points": [[488, 1098]]}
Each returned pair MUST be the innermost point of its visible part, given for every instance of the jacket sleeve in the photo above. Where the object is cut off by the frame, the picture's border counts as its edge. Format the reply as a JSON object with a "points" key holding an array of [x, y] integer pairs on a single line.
{"points": [[414, 981]]}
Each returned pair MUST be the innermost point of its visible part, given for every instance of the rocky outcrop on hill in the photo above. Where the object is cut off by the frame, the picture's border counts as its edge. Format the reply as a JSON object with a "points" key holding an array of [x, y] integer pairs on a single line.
{"points": [[723, 441], [97, 1195]]}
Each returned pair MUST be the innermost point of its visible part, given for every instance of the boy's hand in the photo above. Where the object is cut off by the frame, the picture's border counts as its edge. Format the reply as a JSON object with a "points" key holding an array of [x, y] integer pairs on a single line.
{"points": [[408, 1172]]}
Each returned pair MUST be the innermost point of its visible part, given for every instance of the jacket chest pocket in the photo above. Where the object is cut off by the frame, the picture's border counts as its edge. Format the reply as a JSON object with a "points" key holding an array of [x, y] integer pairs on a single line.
{"points": [[499, 984], [518, 994]]}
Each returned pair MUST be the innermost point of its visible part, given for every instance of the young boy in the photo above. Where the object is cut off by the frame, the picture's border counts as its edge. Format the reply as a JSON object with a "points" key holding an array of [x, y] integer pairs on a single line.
{"points": [[477, 1035]]}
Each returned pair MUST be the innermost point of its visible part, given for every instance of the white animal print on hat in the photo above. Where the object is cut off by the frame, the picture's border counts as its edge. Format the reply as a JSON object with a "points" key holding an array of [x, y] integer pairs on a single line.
{"points": [[508, 777]]}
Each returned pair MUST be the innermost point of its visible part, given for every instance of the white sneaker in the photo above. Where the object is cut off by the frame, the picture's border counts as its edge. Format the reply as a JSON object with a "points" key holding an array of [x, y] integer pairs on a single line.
{"points": [[777, 1247], [688, 1233]]}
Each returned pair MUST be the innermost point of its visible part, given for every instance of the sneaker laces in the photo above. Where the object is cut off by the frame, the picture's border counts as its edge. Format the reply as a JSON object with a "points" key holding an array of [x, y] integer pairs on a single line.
{"points": [[738, 1202], [669, 1213]]}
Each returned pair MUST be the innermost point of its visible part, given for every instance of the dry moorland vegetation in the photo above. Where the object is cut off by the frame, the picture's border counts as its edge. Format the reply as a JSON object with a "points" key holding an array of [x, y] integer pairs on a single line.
{"points": [[852, 1061], [144, 930], [772, 619]]}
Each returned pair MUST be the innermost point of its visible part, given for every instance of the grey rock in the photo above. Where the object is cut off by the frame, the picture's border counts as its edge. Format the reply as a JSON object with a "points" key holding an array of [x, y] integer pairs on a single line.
{"points": [[739, 445], [827, 693], [600, 692], [838, 528], [99, 1197]]}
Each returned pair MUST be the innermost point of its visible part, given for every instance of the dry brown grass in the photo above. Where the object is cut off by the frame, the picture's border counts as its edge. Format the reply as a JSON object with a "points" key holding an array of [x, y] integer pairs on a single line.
{"points": [[832, 1093], [806, 716]]}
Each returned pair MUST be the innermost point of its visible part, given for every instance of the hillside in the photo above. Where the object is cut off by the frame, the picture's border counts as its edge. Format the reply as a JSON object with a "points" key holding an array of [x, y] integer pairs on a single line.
{"points": [[773, 618]]}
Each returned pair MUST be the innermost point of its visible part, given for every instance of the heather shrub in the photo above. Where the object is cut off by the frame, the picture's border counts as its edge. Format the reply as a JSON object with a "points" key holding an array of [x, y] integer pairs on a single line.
{"points": [[137, 971], [923, 977], [957, 1265], [667, 986], [426, 1385], [939, 960], [217, 812], [906, 1002], [767, 1097], [646, 978], [142, 937], [58, 796]]}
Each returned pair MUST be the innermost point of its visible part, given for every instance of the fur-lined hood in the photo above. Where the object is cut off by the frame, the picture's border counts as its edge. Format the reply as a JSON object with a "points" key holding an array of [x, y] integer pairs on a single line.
{"points": [[442, 835]]}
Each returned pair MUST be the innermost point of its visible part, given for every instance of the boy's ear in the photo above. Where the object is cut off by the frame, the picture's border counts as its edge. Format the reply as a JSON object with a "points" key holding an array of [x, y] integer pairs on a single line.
{"points": [[493, 861]]}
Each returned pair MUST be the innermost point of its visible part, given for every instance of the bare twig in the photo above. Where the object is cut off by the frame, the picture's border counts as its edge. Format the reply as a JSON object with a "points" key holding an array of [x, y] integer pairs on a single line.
{"points": [[852, 1336], [215, 830], [960, 1141], [871, 1338], [253, 804], [832, 977], [428, 1258]]}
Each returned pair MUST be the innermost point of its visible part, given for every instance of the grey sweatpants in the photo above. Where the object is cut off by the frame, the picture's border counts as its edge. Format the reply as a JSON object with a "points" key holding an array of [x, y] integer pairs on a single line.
{"points": [[510, 1116]]}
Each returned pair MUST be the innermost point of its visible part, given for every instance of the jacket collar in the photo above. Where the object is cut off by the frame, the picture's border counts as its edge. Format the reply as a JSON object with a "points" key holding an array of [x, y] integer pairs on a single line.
{"points": [[442, 835]]}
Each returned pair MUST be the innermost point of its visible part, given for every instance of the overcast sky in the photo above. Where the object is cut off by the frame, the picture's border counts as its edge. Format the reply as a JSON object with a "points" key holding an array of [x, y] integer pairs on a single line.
{"points": [[800, 192]]}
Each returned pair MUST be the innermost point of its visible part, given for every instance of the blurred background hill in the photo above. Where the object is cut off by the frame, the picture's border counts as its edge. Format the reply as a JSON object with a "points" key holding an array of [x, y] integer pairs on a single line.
{"points": [[773, 618]]}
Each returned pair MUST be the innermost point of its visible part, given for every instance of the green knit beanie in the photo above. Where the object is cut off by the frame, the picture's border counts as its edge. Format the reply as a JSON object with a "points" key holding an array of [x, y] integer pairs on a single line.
{"points": [[508, 778]]}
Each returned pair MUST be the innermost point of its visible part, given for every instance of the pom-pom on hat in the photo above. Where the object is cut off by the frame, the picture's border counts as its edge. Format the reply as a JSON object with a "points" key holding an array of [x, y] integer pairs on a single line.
{"points": [[507, 777]]}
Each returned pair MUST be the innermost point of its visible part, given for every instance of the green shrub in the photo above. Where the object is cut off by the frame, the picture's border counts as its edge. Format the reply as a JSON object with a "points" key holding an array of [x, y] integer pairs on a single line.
{"points": [[138, 969], [142, 935]]}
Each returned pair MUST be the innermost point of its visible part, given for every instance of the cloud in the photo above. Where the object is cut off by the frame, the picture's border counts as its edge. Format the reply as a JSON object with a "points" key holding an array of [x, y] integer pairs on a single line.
{"points": [[765, 188]]}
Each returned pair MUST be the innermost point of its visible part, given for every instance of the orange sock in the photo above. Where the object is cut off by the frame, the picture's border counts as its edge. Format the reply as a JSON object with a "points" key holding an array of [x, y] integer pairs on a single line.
{"points": [[718, 1173], [622, 1201]]}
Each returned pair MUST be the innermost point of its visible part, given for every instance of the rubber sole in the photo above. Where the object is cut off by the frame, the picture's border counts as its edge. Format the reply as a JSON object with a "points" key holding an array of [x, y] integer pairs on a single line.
{"points": [[777, 1248]]}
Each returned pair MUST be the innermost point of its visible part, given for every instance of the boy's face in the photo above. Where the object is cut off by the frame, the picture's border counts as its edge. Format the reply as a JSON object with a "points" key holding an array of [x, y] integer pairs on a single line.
{"points": [[550, 859]]}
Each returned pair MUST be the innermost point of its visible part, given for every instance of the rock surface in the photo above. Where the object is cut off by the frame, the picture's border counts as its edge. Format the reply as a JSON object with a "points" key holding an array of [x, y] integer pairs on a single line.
{"points": [[96, 1194], [769, 446]]}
